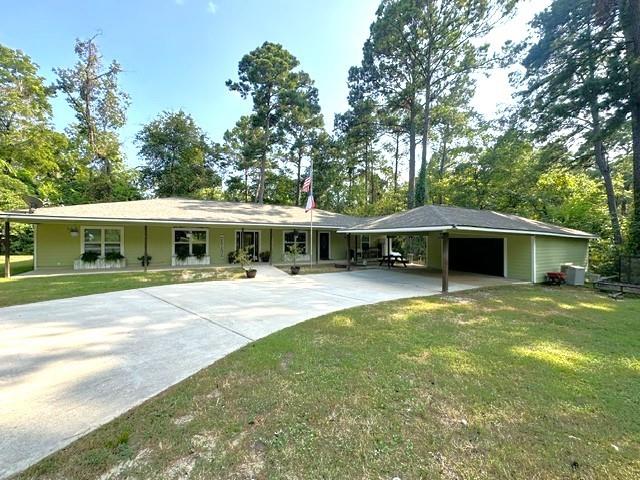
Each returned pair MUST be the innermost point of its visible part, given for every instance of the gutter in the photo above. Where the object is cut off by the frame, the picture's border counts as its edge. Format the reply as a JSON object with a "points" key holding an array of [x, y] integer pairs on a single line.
{"points": [[35, 218]]}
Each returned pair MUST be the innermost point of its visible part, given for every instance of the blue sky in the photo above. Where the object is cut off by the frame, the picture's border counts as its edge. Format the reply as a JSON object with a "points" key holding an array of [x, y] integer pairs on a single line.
{"points": [[178, 53]]}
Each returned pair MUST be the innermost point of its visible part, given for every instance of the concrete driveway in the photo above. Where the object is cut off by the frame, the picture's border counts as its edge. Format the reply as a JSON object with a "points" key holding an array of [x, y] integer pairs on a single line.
{"points": [[69, 366]]}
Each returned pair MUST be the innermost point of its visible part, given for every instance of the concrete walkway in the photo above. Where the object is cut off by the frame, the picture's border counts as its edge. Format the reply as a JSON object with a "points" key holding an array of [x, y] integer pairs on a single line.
{"points": [[69, 366]]}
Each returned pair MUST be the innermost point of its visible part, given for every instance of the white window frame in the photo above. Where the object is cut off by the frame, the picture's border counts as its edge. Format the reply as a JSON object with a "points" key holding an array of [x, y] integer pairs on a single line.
{"points": [[306, 241], [102, 238], [173, 240]]}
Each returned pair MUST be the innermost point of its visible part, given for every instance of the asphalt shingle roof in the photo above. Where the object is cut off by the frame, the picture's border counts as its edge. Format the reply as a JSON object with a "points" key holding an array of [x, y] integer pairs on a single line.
{"points": [[186, 211], [434, 216], [183, 210]]}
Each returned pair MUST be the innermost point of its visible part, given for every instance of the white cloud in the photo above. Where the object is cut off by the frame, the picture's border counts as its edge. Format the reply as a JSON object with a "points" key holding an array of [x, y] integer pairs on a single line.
{"points": [[212, 8]]}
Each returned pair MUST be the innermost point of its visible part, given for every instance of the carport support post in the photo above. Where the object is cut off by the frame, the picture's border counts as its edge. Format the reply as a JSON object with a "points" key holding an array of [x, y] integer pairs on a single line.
{"points": [[445, 262], [271, 246], [7, 247], [146, 259], [348, 252]]}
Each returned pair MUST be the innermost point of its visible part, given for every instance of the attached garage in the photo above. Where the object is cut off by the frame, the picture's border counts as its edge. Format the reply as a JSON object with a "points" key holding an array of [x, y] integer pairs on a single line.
{"points": [[486, 242], [477, 255]]}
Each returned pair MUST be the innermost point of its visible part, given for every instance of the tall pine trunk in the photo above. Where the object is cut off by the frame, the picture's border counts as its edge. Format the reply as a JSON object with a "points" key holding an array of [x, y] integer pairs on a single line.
{"points": [[395, 169], [630, 20], [426, 126], [411, 194]]}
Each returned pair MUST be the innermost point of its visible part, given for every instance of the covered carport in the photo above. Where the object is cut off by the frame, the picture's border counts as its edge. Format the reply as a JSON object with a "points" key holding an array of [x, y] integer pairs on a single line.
{"points": [[484, 242]]}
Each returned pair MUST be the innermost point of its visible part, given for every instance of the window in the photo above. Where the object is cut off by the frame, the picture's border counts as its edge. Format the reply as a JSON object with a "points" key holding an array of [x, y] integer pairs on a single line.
{"points": [[190, 242], [102, 240], [301, 240], [365, 243]]}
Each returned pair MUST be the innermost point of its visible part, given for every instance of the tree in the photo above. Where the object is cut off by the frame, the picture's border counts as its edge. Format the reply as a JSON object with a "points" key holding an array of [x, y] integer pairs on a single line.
{"points": [[240, 152], [422, 49], [29, 147], [179, 159], [302, 125], [92, 91], [268, 74], [571, 73]]}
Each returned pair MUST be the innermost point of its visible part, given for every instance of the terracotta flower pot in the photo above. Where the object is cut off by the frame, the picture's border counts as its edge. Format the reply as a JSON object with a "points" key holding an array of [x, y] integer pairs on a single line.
{"points": [[251, 273]]}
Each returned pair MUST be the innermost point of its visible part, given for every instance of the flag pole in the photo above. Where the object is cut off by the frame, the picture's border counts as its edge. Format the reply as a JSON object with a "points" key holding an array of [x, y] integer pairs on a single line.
{"points": [[311, 225]]}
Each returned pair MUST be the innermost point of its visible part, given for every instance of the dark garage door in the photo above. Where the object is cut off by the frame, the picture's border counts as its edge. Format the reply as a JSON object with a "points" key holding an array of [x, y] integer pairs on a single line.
{"points": [[477, 255]]}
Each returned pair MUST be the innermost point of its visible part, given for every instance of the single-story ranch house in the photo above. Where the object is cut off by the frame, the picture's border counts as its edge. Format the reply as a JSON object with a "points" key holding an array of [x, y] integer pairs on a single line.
{"points": [[177, 232]]}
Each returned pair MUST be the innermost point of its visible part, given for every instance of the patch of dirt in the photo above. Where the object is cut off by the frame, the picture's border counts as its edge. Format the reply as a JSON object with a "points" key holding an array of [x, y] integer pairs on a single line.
{"points": [[204, 444], [180, 469], [183, 420], [122, 468]]}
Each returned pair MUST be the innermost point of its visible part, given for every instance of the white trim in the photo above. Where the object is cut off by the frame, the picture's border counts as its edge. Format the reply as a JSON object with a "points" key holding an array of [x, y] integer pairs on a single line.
{"points": [[28, 218], [534, 259], [173, 240], [505, 273], [102, 228], [306, 242], [320, 232], [35, 247]]}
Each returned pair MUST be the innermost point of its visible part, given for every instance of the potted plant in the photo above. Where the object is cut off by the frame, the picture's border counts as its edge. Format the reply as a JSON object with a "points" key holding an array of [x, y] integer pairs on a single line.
{"points": [[245, 260], [232, 256], [90, 257], [145, 260], [265, 256], [294, 251], [113, 256]]}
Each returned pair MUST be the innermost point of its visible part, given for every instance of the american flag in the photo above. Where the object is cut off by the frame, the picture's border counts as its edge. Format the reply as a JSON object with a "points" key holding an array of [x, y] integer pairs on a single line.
{"points": [[306, 186]]}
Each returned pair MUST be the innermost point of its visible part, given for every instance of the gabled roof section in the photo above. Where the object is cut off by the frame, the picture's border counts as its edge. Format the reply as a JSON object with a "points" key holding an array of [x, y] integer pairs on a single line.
{"points": [[186, 211], [440, 218]]}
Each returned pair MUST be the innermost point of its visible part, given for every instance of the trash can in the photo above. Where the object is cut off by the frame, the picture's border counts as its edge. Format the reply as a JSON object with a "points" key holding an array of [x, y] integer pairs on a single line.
{"points": [[575, 275]]}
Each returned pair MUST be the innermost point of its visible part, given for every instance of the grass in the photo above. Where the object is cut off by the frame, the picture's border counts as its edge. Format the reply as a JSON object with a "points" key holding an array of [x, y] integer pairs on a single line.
{"points": [[512, 382], [20, 290], [307, 269], [19, 264]]}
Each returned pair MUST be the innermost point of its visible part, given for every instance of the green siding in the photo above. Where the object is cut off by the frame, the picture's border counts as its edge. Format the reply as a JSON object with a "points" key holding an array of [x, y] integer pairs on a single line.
{"points": [[56, 248], [434, 251], [552, 252], [519, 257]]}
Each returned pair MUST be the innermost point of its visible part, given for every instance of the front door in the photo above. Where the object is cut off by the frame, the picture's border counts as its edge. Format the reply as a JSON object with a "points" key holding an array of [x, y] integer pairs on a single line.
{"points": [[249, 241], [324, 245]]}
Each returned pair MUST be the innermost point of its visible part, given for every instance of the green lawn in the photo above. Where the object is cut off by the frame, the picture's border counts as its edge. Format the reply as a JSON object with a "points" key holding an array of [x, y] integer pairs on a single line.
{"points": [[512, 382], [19, 264], [19, 290]]}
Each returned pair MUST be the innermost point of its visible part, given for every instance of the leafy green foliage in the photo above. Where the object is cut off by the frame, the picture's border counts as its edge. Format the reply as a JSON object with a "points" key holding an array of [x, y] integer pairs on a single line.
{"points": [[179, 159]]}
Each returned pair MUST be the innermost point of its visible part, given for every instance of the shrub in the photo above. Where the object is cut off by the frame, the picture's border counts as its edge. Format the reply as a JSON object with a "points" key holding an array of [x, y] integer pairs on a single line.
{"points": [[232, 256], [89, 257], [144, 261], [265, 256], [113, 256]]}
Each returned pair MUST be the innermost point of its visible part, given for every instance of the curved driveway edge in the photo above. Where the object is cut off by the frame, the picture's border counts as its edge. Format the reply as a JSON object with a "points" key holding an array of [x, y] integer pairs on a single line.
{"points": [[68, 366]]}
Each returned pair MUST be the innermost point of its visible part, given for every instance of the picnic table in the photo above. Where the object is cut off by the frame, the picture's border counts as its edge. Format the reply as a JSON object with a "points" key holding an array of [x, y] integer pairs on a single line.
{"points": [[391, 259]]}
